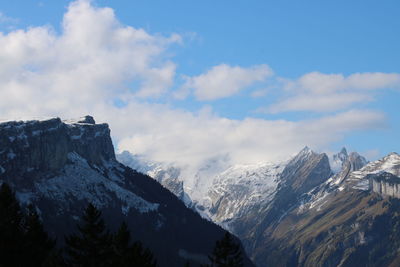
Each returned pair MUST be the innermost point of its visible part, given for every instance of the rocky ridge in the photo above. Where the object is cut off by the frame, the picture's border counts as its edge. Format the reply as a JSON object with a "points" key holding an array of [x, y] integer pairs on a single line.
{"points": [[258, 202], [346, 221], [61, 166]]}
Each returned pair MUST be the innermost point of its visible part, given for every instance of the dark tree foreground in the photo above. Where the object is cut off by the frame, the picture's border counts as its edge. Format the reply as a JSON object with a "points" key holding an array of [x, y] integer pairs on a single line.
{"points": [[94, 246], [23, 242], [226, 253]]}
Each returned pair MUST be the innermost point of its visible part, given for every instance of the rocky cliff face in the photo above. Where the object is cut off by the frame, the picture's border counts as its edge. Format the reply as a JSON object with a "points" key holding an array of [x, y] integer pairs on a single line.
{"points": [[385, 184], [28, 147], [305, 171], [61, 166]]}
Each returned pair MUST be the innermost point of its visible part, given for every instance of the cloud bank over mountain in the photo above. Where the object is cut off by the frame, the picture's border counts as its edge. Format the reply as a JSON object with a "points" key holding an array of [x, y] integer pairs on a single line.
{"points": [[127, 77]]}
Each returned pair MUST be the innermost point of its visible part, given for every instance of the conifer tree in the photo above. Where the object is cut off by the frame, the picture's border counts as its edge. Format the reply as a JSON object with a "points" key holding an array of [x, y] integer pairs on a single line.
{"points": [[11, 235], [226, 253], [37, 246], [91, 247], [142, 256], [121, 246], [126, 254]]}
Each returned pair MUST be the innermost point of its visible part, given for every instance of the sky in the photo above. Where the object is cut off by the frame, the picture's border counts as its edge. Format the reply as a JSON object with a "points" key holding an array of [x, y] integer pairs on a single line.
{"points": [[194, 82]]}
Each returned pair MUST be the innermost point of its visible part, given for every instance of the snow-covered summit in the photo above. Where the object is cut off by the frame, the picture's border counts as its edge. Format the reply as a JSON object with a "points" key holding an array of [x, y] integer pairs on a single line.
{"points": [[304, 153], [389, 164], [240, 188]]}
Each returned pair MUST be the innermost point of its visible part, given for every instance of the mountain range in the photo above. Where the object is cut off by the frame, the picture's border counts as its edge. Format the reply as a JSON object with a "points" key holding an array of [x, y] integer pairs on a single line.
{"points": [[311, 210], [62, 166]]}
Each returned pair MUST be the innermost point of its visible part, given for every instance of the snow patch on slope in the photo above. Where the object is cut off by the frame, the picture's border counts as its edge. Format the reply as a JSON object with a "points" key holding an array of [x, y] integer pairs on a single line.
{"points": [[82, 182], [389, 164], [241, 187]]}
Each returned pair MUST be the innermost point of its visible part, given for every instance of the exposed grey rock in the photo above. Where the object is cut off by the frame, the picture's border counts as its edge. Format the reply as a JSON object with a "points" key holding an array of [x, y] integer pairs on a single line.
{"points": [[87, 119], [385, 184], [26, 147]]}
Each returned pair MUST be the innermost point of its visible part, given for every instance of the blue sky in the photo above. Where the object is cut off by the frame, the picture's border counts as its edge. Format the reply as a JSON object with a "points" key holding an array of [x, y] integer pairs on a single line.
{"points": [[332, 67]]}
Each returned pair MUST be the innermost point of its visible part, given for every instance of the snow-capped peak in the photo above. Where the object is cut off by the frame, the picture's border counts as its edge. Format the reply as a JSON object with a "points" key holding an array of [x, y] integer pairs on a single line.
{"points": [[306, 151], [388, 164], [302, 156]]}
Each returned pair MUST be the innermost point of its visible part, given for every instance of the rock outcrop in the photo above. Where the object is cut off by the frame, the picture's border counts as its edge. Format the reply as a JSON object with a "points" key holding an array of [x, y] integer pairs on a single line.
{"points": [[385, 184], [27, 147]]}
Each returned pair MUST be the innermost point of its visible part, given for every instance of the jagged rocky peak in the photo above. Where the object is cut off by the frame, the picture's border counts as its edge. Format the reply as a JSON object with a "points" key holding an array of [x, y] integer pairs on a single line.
{"points": [[342, 156], [338, 161], [306, 151], [29, 146], [305, 155], [306, 170], [344, 161], [357, 161]]}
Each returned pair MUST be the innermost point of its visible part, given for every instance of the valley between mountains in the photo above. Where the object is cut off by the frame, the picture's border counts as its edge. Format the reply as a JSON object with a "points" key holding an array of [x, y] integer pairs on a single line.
{"points": [[310, 210]]}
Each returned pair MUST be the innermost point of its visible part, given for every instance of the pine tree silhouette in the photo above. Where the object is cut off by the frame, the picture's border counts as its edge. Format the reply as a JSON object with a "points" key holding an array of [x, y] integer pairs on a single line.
{"points": [[91, 247], [37, 246], [23, 241], [226, 253], [11, 234], [142, 256], [121, 246], [130, 255]]}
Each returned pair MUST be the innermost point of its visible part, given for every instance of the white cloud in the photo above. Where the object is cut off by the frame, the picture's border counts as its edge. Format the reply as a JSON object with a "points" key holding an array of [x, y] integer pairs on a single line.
{"points": [[223, 80], [164, 134], [95, 61], [320, 83], [91, 61], [321, 92], [328, 102]]}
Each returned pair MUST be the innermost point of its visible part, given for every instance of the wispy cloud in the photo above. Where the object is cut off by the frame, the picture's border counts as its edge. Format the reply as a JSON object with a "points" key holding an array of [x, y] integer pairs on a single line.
{"points": [[320, 83], [9, 22], [224, 80], [321, 92], [319, 103]]}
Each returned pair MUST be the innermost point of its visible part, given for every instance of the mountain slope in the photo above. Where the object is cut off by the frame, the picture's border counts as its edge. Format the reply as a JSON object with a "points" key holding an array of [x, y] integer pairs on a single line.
{"points": [[311, 210], [351, 225], [61, 166], [248, 198]]}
